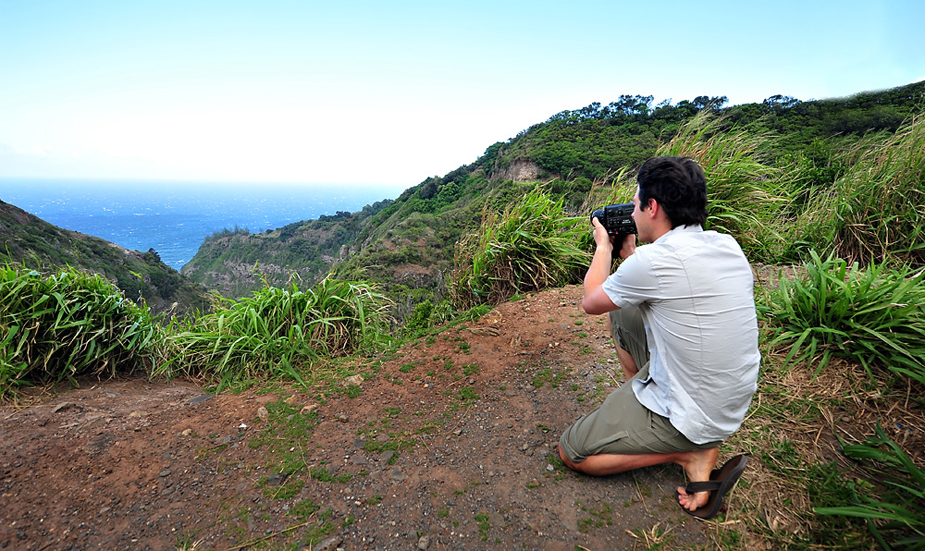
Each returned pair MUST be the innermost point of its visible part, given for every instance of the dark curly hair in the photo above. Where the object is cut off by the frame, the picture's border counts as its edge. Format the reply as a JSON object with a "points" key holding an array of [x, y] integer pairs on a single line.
{"points": [[678, 185]]}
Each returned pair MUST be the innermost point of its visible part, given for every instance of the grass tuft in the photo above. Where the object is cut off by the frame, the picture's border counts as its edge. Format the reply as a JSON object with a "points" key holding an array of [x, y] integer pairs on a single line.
{"points": [[900, 517], [67, 324], [873, 316], [276, 332], [744, 192], [533, 245]]}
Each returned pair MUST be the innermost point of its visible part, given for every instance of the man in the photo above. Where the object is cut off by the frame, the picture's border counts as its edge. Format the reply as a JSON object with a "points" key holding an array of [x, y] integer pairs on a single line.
{"points": [[683, 319]]}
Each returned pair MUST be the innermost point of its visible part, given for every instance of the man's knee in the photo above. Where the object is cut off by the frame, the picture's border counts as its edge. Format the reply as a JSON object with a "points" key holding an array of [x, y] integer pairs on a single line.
{"points": [[565, 459]]}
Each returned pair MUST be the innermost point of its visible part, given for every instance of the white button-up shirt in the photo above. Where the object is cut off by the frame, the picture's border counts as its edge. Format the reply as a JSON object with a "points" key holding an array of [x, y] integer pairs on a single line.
{"points": [[695, 291]]}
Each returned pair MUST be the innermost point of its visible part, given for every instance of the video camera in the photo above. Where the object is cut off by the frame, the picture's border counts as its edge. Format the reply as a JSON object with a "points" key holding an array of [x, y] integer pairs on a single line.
{"points": [[617, 219]]}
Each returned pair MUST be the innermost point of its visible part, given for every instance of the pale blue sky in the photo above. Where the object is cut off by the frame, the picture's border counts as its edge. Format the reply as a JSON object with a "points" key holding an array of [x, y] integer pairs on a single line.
{"points": [[391, 93]]}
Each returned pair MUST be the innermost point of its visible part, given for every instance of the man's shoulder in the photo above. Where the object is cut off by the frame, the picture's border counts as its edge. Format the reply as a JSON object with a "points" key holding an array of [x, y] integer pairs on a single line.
{"points": [[704, 238], [694, 250]]}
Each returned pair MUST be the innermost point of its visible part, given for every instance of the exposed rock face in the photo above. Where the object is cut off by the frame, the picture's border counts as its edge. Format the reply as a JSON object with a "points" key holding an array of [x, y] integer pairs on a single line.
{"points": [[520, 170]]}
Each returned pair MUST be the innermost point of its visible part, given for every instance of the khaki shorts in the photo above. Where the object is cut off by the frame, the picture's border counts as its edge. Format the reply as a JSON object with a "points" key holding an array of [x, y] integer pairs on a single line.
{"points": [[621, 425]]}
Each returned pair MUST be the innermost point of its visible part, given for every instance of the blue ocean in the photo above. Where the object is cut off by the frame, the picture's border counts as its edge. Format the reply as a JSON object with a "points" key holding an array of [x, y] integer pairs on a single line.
{"points": [[174, 218]]}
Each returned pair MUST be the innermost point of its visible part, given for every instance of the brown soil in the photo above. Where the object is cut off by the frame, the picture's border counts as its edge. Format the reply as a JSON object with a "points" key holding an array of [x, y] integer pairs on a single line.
{"points": [[475, 414]]}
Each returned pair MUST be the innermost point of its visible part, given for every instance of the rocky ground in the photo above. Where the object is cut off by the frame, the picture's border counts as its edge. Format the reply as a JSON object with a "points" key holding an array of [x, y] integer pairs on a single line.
{"points": [[447, 443]]}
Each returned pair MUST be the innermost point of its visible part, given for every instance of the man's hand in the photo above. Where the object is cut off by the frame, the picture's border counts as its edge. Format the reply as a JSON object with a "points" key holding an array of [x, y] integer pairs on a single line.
{"points": [[628, 246], [595, 300], [601, 237], [604, 241]]}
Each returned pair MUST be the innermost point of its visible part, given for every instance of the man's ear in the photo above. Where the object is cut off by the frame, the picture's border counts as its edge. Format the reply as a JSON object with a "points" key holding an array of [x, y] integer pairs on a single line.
{"points": [[653, 208]]}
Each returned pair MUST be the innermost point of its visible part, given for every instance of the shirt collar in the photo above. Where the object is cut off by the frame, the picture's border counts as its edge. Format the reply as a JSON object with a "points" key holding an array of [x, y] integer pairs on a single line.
{"points": [[681, 229]]}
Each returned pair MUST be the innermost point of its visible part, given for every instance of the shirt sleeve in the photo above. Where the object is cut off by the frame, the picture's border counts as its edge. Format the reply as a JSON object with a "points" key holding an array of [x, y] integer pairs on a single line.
{"points": [[634, 282]]}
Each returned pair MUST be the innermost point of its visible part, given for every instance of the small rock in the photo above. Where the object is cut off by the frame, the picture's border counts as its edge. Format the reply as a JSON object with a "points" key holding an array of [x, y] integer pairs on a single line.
{"points": [[262, 413], [329, 544], [62, 406], [199, 399], [93, 423], [386, 456], [277, 479]]}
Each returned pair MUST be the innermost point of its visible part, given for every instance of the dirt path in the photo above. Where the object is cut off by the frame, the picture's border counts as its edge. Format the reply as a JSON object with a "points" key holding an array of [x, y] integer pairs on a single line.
{"points": [[449, 444]]}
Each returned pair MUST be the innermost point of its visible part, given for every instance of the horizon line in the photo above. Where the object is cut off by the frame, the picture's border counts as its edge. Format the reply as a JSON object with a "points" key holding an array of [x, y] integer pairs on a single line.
{"points": [[117, 179]]}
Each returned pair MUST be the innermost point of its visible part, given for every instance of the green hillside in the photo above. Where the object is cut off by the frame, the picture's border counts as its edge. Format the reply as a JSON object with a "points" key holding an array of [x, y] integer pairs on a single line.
{"points": [[28, 240], [407, 245], [235, 263]]}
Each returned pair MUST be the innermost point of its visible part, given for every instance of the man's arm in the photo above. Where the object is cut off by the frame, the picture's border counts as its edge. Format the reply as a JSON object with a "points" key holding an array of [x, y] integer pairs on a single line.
{"points": [[595, 300]]}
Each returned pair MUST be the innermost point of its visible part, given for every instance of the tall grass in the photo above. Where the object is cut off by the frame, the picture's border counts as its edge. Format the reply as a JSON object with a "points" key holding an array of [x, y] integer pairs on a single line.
{"points": [[531, 246], [745, 195], [67, 324], [874, 316], [277, 332], [615, 188], [875, 212]]}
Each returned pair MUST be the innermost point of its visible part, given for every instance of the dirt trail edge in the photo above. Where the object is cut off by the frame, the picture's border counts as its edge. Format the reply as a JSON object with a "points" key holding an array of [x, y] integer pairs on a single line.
{"points": [[449, 443]]}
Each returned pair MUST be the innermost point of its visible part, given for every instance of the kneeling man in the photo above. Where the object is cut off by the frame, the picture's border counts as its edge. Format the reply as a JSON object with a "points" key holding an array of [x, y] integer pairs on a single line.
{"points": [[683, 317]]}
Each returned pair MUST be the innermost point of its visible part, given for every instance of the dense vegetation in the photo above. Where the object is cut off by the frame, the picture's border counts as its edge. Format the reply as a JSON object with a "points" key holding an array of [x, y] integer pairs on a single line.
{"points": [[28, 240], [531, 246], [277, 332], [407, 246], [302, 251], [67, 324]]}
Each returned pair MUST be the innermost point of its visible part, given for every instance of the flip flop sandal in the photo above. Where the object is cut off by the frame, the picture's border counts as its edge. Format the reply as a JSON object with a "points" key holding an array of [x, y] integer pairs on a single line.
{"points": [[721, 481]]}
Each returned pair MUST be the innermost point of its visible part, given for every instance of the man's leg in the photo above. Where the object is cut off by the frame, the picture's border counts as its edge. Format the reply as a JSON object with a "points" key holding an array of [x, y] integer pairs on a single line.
{"points": [[630, 369], [627, 363], [697, 465], [622, 435], [629, 336]]}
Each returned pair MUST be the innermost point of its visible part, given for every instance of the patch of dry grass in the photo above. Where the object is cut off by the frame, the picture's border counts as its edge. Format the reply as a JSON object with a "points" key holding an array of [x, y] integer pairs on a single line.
{"points": [[795, 431]]}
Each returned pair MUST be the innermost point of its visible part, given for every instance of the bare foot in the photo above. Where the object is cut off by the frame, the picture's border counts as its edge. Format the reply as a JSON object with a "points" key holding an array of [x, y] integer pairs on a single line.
{"points": [[697, 465]]}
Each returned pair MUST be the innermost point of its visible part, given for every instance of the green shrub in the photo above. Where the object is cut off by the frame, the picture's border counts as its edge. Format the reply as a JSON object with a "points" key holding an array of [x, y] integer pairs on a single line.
{"points": [[873, 316], [275, 330], [531, 246], [68, 324]]}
